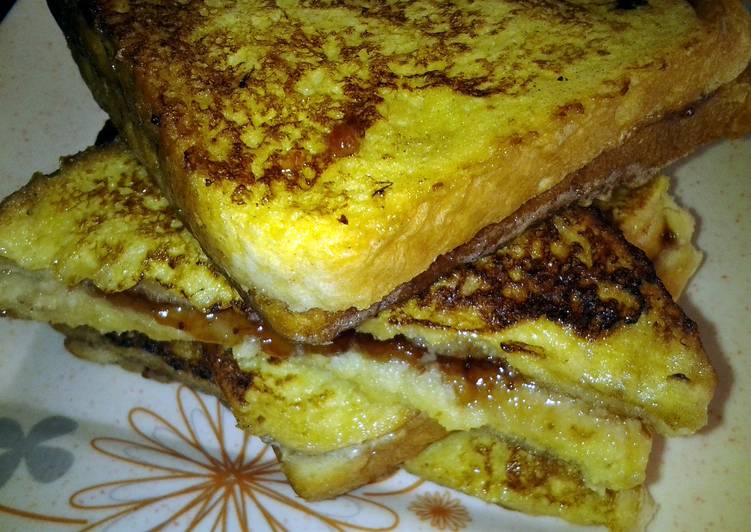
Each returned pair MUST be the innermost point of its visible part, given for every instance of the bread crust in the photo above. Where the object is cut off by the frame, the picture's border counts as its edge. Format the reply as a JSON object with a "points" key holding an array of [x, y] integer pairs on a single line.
{"points": [[314, 268]]}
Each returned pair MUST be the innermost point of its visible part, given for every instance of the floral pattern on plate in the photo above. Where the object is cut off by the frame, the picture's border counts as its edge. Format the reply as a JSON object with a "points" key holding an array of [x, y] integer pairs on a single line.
{"points": [[202, 471]]}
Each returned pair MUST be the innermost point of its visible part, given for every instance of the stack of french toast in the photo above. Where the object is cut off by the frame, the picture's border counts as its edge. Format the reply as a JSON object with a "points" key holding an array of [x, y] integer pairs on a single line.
{"points": [[428, 235]]}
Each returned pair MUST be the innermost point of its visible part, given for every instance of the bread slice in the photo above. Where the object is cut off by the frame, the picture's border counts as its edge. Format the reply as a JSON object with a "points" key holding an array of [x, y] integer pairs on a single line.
{"points": [[99, 221], [326, 475], [609, 450], [477, 462], [572, 306], [485, 466], [327, 156]]}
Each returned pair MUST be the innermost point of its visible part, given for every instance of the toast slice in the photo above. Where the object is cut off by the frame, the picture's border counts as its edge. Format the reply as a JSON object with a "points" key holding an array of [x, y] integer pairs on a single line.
{"points": [[332, 144], [477, 462], [481, 464], [609, 450], [572, 306]]}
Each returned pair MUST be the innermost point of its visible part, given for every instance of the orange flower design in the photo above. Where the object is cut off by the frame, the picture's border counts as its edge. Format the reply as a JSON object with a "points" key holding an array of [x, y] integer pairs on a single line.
{"points": [[203, 472], [443, 512]]}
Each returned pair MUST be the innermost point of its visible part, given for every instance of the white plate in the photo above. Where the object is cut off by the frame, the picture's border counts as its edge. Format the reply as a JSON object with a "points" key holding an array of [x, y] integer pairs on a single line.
{"points": [[74, 438]]}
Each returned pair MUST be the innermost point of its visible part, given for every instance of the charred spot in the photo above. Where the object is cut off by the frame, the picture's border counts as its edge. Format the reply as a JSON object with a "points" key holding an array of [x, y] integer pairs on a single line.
{"points": [[516, 139], [233, 381], [202, 372], [191, 158], [381, 190], [238, 195], [478, 86], [155, 119], [343, 220], [198, 366], [232, 168], [534, 282], [385, 11], [482, 87], [175, 363]]}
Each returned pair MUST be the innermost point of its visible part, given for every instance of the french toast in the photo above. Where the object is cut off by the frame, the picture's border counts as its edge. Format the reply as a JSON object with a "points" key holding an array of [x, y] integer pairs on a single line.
{"points": [[268, 385], [567, 305], [580, 312], [477, 462], [95, 246], [485, 466], [342, 142], [314, 476]]}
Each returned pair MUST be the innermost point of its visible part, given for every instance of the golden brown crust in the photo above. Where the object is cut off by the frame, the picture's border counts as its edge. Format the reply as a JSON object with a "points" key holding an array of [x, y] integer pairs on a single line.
{"points": [[725, 113], [304, 288], [112, 229], [483, 465], [560, 303], [396, 49], [558, 269]]}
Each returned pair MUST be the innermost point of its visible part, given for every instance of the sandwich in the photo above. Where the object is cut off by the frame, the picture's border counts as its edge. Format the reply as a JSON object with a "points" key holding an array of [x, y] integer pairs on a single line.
{"points": [[334, 159], [98, 252], [300, 226]]}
